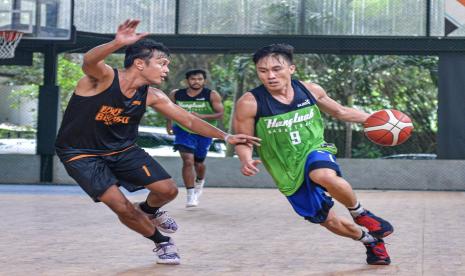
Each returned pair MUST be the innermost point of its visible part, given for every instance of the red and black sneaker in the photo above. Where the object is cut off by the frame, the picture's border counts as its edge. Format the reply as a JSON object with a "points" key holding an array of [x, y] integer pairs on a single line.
{"points": [[377, 227], [376, 253]]}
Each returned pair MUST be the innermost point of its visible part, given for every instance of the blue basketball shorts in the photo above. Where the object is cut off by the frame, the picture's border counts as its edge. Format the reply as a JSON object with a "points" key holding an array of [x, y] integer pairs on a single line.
{"points": [[310, 200], [191, 143]]}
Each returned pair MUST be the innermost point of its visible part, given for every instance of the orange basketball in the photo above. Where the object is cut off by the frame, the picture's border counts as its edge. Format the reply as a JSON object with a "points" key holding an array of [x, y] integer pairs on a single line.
{"points": [[388, 127]]}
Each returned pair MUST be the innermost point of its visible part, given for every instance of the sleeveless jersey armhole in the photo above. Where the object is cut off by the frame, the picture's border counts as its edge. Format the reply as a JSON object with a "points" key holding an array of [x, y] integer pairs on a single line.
{"points": [[178, 94], [258, 112], [144, 90], [114, 84], [306, 91], [208, 93]]}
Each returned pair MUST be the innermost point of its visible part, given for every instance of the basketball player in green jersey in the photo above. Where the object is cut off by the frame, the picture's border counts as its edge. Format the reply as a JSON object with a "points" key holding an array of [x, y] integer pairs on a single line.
{"points": [[285, 114], [205, 104]]}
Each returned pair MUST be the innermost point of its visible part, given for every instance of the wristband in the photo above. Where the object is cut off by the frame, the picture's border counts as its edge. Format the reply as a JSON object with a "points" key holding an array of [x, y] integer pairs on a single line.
{"points": [[227, 137]]}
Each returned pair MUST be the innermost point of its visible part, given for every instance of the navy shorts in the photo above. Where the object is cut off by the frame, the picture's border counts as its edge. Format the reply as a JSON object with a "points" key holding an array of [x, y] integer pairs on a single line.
{"points": [[310, 200], [131, 168], [191, 143]]}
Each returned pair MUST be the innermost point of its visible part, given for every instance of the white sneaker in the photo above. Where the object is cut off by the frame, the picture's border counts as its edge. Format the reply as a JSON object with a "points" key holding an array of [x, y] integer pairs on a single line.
{"points": [[160, 219], [167, 253], [164, 222], [199, 187], [192, 200]]}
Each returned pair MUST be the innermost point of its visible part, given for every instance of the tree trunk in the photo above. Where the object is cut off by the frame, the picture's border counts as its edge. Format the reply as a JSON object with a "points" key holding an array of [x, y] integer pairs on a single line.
{"points": [[240, 80]]}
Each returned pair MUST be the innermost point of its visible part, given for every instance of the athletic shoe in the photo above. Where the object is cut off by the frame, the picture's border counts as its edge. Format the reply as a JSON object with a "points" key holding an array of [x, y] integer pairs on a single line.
{"points": [[199, 187], [192, 200], [167, 253], [376, 226], [376, 253], [160, 219], [164, 222]]}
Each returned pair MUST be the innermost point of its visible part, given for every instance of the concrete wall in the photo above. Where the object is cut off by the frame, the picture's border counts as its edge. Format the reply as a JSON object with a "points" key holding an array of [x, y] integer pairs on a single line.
{"points": [[224, 172], [404, 174], [19, 168], [361, 173]]}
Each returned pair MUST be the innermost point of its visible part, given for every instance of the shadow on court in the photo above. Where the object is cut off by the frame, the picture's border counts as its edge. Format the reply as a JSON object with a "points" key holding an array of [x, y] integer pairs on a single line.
{"points": [[58, 230]]}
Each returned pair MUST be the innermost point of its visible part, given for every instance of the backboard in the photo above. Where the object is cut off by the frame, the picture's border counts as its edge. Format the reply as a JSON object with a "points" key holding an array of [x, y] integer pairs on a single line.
{"points": [[38, 19]]}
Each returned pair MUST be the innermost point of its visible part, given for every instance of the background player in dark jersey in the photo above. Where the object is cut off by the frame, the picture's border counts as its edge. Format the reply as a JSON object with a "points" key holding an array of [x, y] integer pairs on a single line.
{"points": [[285, 113], [96, 140], [205, 104]]}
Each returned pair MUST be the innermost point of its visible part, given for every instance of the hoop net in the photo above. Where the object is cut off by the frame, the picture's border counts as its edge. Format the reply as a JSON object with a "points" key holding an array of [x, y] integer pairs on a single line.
{"points": [[8, 42]]}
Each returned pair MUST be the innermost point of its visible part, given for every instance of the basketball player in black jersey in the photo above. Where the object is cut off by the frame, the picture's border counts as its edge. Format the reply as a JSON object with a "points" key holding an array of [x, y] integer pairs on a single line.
{"points": [[193, 148], [96, 140]]}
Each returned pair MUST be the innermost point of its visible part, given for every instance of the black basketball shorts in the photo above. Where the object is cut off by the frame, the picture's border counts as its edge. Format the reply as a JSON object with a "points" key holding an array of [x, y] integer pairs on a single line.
{"points": [[131, 168]]}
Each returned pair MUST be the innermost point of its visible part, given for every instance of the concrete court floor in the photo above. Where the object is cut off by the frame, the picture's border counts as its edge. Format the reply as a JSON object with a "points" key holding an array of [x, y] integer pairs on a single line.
{"points": [[60, 231]]}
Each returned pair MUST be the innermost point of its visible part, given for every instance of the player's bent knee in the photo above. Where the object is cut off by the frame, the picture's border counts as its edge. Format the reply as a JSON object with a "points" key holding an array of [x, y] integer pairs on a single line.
{"points": [[323, 177], [188, 163], [172, 192], [330, 223], [169, 189], [165, 189]]}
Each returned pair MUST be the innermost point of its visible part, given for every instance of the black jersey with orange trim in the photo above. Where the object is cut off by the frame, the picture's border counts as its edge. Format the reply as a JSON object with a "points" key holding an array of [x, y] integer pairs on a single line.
{"points": [[102, 123]]}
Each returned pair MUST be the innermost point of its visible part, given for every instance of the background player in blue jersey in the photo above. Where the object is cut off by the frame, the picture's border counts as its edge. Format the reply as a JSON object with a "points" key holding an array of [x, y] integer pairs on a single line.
{"points": [[205, 104]]}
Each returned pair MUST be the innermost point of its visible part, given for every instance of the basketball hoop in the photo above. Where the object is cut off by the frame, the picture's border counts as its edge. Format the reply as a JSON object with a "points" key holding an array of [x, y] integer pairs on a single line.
{"points": [[8, 42]]}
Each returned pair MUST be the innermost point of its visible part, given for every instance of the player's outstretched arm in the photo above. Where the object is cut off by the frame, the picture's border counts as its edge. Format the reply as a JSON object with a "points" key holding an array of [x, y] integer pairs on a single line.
{"points": [[161, 103], [244, 123], [169, 122], [94, 65], [333, 108]]}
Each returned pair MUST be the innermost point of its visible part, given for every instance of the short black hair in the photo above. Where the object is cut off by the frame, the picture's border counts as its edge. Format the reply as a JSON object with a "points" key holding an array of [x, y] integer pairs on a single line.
{"points": [[281, 49], [196, 72], [143, 49]]}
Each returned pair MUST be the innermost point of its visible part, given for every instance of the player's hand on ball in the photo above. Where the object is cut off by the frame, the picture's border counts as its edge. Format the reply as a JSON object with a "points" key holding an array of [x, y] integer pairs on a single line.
{"points": [[242, 139], [249, 167]]}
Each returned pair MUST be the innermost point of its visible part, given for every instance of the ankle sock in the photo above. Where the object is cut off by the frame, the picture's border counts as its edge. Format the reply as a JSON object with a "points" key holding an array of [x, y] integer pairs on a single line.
{"points": [[157, 237], [357, 210], [144, 206], [367, 238]]}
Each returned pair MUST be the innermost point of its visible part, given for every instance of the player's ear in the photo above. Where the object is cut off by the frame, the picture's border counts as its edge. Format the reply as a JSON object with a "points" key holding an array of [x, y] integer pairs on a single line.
{"points": [[139, 64], [292, 68]]}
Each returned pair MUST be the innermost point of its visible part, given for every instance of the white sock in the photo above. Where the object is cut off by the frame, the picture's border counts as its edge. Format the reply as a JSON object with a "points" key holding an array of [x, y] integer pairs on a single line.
{"points": [[367, 238], [357, 210], [190, 192]]}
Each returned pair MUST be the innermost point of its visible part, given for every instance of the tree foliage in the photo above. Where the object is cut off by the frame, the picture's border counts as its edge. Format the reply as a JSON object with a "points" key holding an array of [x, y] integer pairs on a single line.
{"points": [[407, 83]]}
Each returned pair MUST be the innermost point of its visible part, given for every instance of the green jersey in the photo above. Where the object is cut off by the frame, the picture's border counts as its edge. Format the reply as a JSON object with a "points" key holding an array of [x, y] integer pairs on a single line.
{"points": [[289, 132], [199, 104]]}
